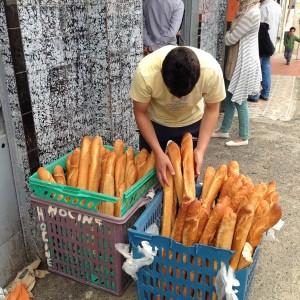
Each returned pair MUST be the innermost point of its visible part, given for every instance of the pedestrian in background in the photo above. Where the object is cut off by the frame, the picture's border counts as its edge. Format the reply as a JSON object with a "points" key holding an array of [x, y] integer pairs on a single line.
{"points": [[289, 41], [162, 21], [270, 12], [242, 73]]}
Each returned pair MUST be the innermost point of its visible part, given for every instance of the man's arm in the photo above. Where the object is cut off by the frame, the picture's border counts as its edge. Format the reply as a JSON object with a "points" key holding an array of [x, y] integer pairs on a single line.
{"points": [[285, 39], [175, 22], [208, 124], [145, 126]]}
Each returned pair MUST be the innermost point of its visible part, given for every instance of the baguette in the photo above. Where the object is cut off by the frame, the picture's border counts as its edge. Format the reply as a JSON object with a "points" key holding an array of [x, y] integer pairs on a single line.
{"points": [[150, 164], [119, 147], [240, 198], [131, 174], [236, 186], [226, 229], [84, 163], [45, 175], [257, 195], [215, 186], [118, 204], [190, 230], [262, 223], [212, 224], [226, 187], [129, 154], [167, 206], [109, 183], [175, 157], [271, 187], [140, 161], [68, 164], [203, 218], [187, 155], [233, 168], [243, 225], [103, 163], [59, 175], [120, 172], [95, 165], [208, 178], [273, 197], [72, 176], [180, 219]]}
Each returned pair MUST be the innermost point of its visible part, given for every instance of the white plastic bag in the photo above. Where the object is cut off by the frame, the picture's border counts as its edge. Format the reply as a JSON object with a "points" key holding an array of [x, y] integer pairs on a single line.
{"points": [[225, 283], [3, 293], [270, 234], [131, 265]]}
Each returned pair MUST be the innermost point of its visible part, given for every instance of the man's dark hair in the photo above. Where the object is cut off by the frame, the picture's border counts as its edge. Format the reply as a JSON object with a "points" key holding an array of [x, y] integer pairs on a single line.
{"points": [[293, 28], [181, 71]]}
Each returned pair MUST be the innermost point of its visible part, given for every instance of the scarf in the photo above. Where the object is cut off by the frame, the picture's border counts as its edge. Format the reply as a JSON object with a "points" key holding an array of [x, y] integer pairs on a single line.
{"points": [[245, 5]]}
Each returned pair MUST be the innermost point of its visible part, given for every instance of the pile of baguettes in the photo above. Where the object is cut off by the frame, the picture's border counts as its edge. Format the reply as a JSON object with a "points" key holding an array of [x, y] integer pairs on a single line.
{"points": [[95, 168], [231, 213]]}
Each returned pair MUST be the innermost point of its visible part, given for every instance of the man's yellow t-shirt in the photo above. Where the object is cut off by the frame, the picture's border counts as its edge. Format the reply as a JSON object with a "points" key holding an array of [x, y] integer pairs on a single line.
{"points": [[165, 109]]}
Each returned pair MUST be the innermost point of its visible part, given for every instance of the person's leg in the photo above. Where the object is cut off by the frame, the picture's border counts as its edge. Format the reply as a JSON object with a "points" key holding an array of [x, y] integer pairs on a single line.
{"points": [[243, 116], [228, 114], [286, 55], [266, 77], [289, 56]]}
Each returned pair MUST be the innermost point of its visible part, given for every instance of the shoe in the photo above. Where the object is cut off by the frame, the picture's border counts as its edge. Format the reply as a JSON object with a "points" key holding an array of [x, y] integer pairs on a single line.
{"points": [[219, 134], [236, 144], [252, 100], [263, 98]]}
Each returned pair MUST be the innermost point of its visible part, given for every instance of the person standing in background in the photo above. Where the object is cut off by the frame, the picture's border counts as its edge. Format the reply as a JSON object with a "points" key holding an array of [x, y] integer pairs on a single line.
{"points": [[243, 72], [270, 12], [162, 20], [289, 41]]}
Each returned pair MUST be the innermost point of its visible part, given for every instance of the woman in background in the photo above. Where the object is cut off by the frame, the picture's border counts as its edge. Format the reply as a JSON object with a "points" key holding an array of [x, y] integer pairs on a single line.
{"points": [[243, 72]]}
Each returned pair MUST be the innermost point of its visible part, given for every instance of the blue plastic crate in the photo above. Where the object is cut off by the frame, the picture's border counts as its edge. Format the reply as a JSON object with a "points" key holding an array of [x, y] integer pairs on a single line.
{"points": [[179, 272]]}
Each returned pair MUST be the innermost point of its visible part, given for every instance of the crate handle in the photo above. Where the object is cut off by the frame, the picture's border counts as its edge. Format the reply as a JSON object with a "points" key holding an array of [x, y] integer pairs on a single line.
{"points": [[77, 193]]}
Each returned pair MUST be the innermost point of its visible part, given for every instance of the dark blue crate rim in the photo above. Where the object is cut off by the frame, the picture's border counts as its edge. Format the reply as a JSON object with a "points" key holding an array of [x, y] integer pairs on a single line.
{"points": [[147, 276]]}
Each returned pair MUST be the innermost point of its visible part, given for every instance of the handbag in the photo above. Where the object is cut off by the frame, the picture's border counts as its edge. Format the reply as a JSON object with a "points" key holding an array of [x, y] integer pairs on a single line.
{"points": [[232, 57]]}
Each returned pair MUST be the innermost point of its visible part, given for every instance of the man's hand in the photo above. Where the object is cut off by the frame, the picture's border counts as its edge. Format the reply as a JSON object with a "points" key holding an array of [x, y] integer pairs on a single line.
{"points": [[163, 164], [198, 157]]}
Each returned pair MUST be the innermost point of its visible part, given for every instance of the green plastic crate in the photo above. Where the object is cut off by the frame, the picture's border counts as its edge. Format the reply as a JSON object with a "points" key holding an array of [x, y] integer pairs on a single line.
{"points": [[86, 199]]}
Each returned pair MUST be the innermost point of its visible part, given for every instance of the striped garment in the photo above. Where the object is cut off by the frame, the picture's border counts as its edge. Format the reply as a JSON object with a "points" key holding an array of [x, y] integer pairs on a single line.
{"points": [[246, 77]]}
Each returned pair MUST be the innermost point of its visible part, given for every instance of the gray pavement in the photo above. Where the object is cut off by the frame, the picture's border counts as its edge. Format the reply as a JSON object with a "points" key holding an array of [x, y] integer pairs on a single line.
{"points": [[273, 153]]}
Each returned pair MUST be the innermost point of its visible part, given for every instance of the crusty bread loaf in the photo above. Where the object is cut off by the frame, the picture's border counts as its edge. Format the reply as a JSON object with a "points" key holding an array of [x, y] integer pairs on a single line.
{"points": [[95, 164], [236, 186], [212, 224], [180, 220], [175, 158], [208, 177], [72, 175], [131, 174], [118, 147], [240, 198], [190, 230], [68, 164], [233, 168], [84, 163], [150, 164], [257, 195], [140, 161], [175, 207], [226, 187], [273, 197], [226, 229], [45, 175], [215, 186], [262, 223], [109, 182], [167, 206], [187, 156], [59, 175], [243, 225], [271, 187], [204, 213], [129, 154], [262, 209], [103, 163], [120, 172], [118, 204]]}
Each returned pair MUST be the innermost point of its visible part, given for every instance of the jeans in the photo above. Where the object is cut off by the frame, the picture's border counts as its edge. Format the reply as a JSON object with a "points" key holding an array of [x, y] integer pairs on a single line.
{"points": [[288, 54], [243, 116], [266, 71], [164, 134]]}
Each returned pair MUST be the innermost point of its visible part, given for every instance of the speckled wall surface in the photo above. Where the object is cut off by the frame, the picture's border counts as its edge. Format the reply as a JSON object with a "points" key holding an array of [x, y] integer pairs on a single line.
{"points": [[80, 57], [212, 27]]}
